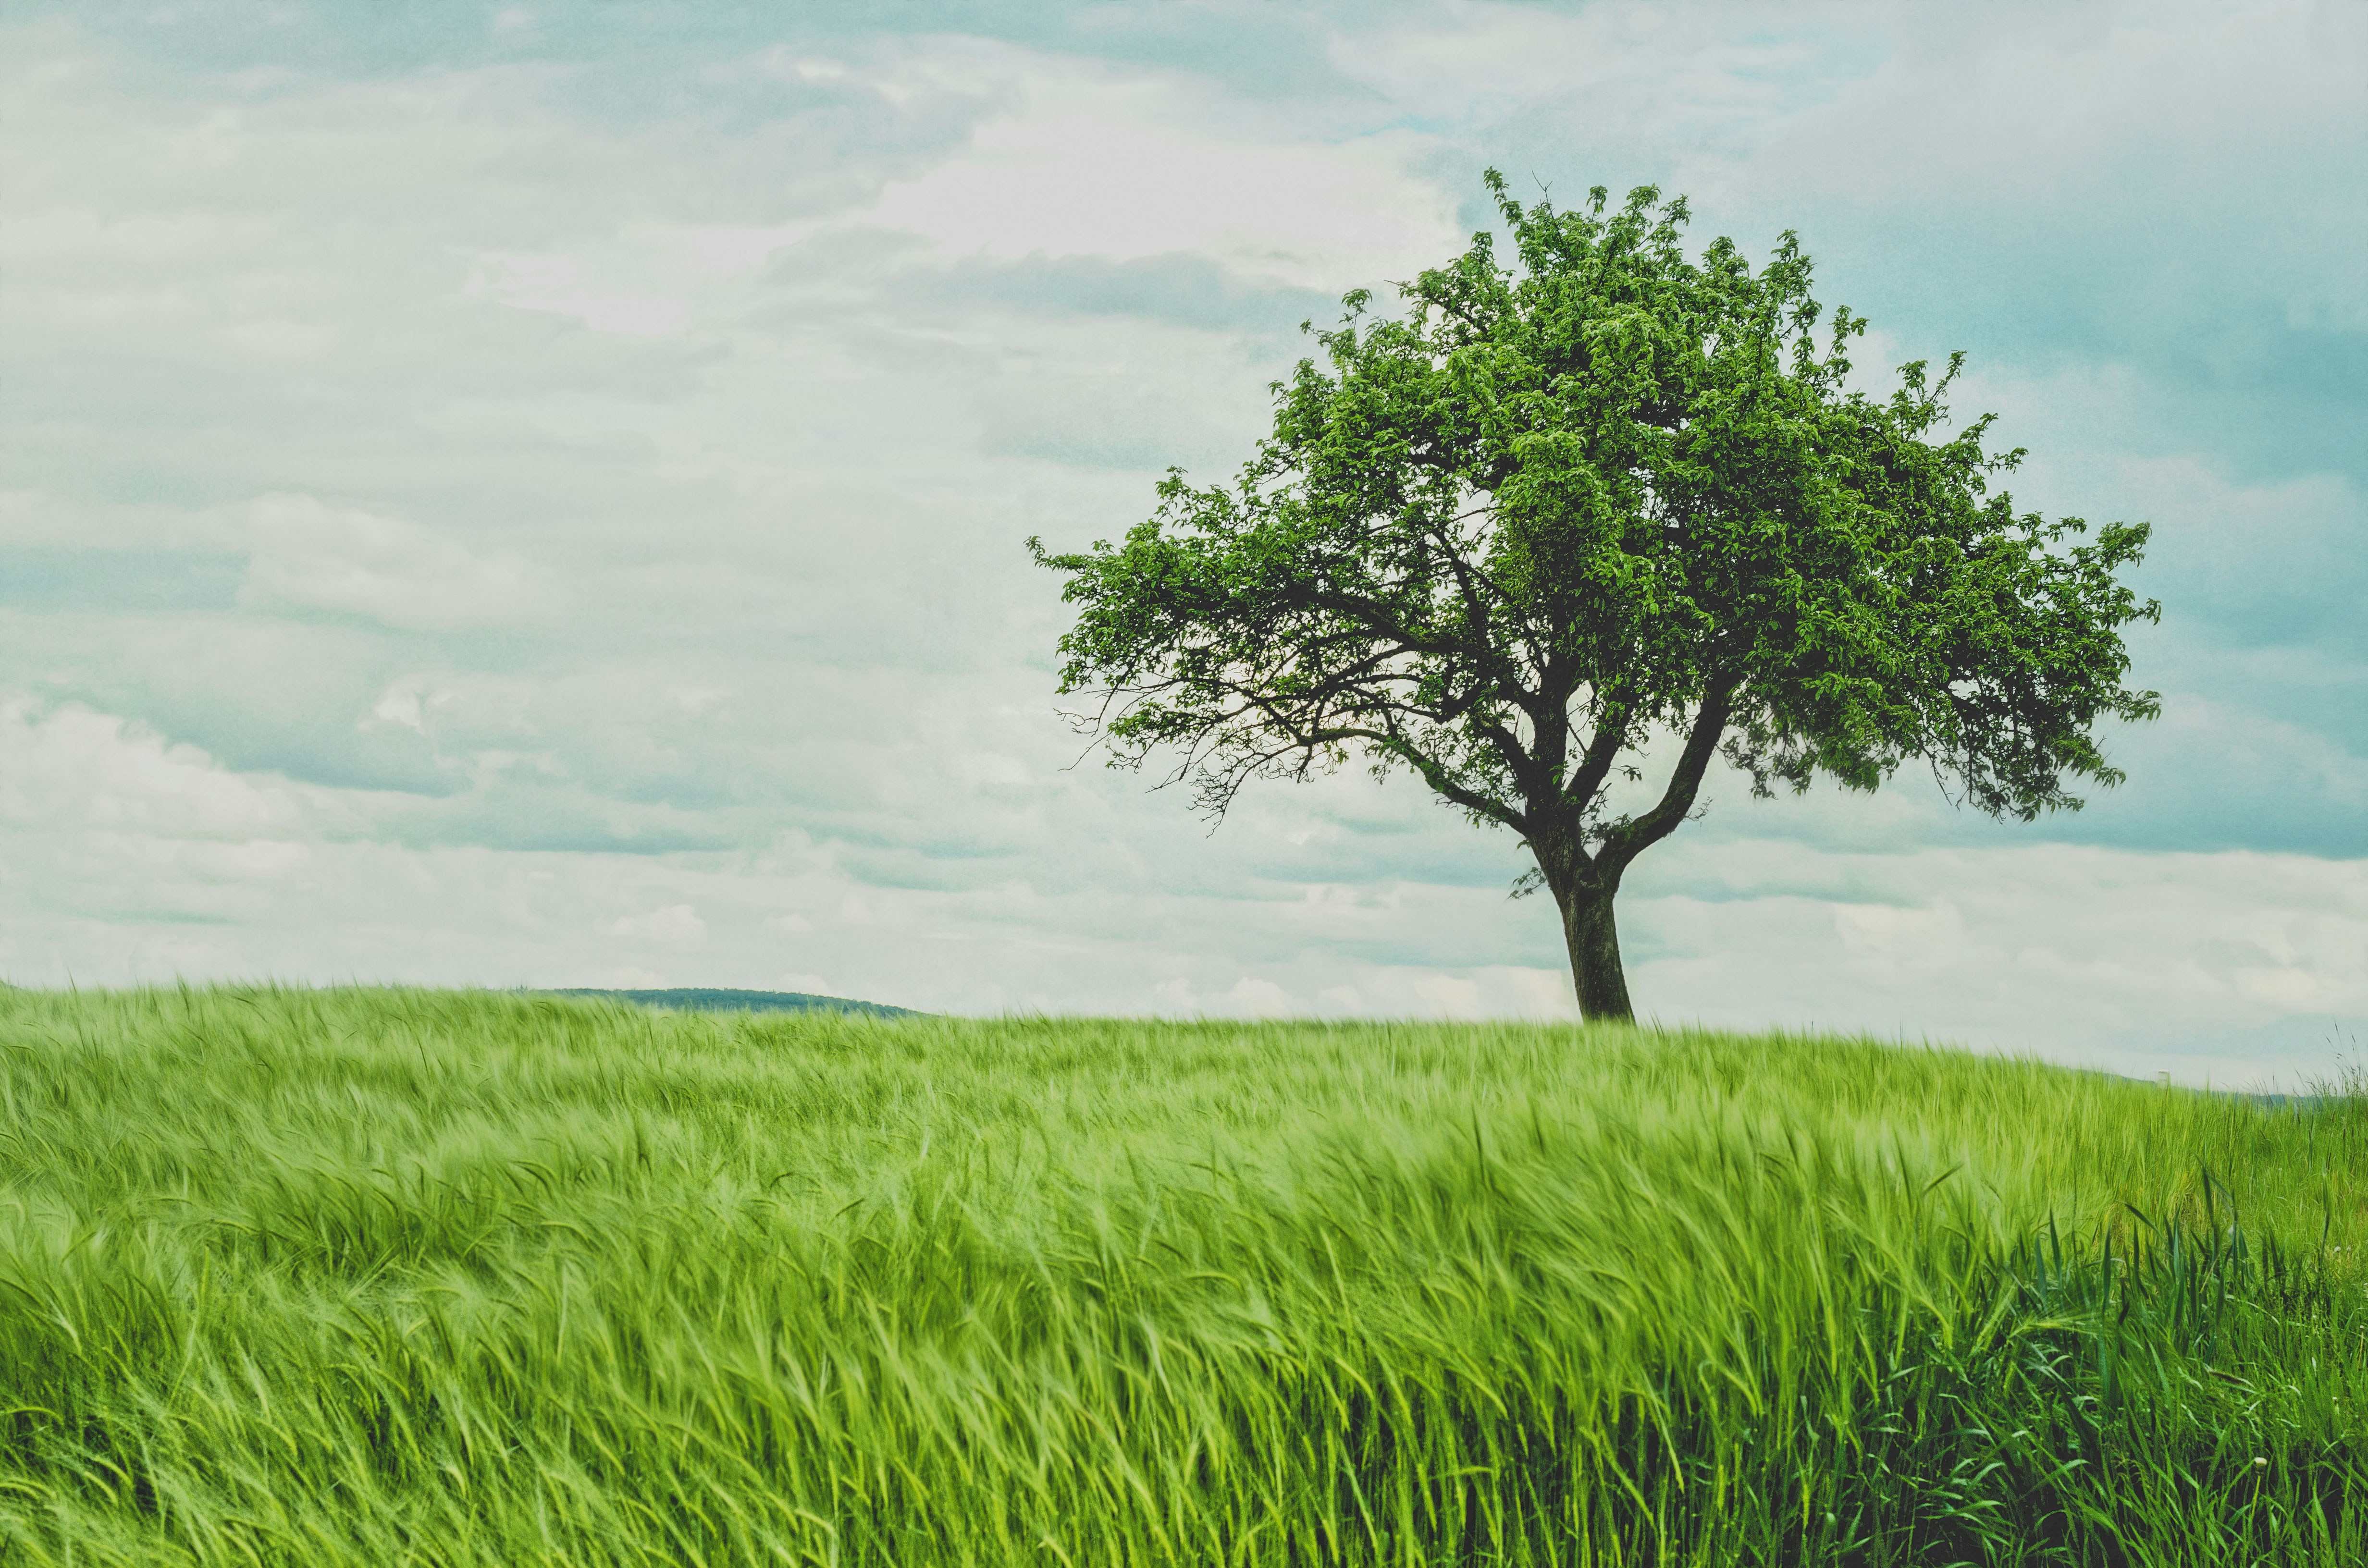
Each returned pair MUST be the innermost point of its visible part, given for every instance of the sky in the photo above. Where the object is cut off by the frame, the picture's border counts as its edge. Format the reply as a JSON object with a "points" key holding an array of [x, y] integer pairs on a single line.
{"points": [[535, 495]]}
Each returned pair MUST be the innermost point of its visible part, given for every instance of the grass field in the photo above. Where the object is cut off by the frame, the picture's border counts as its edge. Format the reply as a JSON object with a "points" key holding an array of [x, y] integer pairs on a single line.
{"points": [[393, 1277]]}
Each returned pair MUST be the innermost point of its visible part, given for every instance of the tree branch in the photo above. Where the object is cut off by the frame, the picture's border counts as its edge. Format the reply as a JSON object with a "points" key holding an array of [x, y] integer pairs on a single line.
{"points": [[1390, 739], [1595, 765], [1624, 844]]}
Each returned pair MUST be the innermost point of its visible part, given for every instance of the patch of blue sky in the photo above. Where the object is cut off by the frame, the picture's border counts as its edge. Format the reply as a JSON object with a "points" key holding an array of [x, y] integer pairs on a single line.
{"points": [[60, 579]]}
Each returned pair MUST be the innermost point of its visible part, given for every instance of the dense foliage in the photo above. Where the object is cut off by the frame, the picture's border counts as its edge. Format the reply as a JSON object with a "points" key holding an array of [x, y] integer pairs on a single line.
{"points": [[386, 1278], [1612, 508]]}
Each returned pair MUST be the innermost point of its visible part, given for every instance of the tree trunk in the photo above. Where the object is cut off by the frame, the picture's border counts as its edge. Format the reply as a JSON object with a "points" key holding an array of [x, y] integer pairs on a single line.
{"points": [[1594, 938]]}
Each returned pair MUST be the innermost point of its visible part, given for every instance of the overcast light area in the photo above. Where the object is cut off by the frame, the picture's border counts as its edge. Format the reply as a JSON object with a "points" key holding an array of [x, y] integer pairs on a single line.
{"points": [[536, 495]]}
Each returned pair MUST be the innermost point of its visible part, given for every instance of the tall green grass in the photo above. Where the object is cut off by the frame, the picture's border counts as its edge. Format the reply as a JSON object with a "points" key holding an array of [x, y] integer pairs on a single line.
{"points": [[394, 1277]]}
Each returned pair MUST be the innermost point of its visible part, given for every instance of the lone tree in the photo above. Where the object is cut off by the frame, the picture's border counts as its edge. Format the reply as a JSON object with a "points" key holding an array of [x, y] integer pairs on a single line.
{"points": [[1609, 510]]}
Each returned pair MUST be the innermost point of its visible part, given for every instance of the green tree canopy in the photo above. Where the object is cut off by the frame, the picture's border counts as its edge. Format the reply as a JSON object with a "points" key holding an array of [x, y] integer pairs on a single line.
{"points": [[1606, 508]]}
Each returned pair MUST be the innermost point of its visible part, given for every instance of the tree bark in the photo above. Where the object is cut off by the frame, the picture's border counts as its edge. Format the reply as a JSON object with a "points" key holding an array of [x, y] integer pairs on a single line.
{"points": [[1594, 938]]}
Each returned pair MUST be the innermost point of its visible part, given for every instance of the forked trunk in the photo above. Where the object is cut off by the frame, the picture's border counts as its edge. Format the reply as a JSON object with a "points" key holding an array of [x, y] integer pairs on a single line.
{"points": [[1594, 938]]}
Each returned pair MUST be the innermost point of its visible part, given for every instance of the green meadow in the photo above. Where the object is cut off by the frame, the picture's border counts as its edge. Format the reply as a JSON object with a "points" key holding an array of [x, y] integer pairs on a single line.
{"points": [[386, 1276]]}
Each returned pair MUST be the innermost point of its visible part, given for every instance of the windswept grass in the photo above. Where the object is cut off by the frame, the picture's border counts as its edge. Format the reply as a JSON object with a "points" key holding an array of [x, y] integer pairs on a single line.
{"points": [[389, 1277]]}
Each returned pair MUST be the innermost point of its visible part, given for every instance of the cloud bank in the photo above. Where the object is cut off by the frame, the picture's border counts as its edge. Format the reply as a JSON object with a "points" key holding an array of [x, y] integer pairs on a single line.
{"points": [[503, 498]]}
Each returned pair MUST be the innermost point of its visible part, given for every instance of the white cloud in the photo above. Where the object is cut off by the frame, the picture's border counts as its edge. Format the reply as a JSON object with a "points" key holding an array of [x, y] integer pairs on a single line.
{"points": [[400, 706], [1683, 70], [73, 765], [1254, 995], [68, 231], [1485, 991], [676, 923], [254, 860], [652, 279], [285, 339], [1093, 161], [875, 911], [306, 553], [119, 306], [559, 284], [163, 958], [2029, 108], [1447, 995], [410, 702], [987, 767], [98, 814], [1911, 936], [1538, 992]]}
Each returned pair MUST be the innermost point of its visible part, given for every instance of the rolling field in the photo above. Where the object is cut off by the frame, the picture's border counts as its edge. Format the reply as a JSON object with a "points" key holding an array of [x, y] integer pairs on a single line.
{"points": [[407, 1277]]}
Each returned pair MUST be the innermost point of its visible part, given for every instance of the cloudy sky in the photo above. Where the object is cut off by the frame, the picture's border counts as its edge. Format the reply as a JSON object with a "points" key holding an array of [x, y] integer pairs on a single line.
{"points": [[534, 494]]}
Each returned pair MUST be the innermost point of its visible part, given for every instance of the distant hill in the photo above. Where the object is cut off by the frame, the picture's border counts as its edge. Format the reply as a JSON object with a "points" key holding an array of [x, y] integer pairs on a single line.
{"points": [[705, 999]]}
